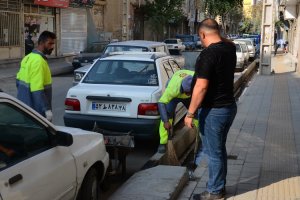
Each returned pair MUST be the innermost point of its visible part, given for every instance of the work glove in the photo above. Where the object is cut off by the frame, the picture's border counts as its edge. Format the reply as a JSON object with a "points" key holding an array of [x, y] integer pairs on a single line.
{"points": [[49, 115], [167, 125]]}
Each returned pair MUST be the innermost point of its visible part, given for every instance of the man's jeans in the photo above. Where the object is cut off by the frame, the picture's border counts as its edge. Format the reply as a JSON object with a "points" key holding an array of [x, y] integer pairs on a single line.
{"points": [[214, 124]]}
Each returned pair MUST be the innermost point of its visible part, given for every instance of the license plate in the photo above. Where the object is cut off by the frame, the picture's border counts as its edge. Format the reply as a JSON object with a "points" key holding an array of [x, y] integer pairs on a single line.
{"points": [[109, 107]]}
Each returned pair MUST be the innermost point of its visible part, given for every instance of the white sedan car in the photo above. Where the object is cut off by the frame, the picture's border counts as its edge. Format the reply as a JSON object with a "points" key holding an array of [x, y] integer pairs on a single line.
{"points": [[120, 93], [240, 58], [41, 161], [175, 44]]}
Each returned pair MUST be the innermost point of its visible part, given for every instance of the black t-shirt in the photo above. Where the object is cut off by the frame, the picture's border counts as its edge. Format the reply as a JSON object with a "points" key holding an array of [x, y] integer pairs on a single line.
{"points": [[217, 64]]}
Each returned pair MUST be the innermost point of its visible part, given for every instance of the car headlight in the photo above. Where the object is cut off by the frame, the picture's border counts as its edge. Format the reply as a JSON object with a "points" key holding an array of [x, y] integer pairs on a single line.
{"points": [[78, 76], [75, 60]]}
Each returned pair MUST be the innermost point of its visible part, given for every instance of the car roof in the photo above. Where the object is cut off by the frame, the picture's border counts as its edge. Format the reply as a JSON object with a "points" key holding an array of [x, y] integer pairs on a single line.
{"points": [[144, 43], [139, 56], [4, 95], [244, 40]]}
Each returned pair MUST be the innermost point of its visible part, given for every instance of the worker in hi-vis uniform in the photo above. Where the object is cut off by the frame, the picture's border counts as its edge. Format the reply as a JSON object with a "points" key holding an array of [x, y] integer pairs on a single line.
{"points": [[178, 89], [34, 82]]}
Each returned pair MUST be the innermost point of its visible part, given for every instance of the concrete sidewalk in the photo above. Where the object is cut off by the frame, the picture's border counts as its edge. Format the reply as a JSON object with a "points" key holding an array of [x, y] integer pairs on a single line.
{"points": [[265, 136], [58, 65]]}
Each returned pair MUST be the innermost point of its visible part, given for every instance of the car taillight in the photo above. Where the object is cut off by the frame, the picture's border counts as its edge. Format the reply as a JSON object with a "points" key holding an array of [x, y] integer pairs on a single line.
{"points": [[150, 109], [72, 104]]}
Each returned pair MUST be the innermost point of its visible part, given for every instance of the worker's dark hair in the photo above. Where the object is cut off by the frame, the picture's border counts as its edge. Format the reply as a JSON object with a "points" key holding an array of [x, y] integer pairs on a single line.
{"points": [[209, 24], [45, 35]]}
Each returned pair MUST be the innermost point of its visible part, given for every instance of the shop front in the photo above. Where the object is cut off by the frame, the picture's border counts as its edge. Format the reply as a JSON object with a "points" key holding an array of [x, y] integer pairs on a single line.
{"points": [[10, 29]]}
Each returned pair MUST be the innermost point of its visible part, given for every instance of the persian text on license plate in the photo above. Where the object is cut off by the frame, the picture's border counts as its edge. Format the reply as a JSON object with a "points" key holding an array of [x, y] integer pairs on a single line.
{"points": [[109, 107]]}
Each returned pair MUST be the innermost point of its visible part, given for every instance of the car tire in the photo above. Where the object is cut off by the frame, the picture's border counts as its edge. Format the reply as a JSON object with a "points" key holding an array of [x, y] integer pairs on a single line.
{"points": [[90, 188]]}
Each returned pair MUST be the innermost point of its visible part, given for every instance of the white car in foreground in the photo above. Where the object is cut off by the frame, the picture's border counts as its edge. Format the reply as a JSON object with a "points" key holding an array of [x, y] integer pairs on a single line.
{"points": [[41, 161], [120, 93]]}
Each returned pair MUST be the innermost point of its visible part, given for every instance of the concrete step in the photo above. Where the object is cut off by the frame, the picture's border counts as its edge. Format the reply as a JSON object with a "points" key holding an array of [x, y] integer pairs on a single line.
{"points": [[158, 183]]}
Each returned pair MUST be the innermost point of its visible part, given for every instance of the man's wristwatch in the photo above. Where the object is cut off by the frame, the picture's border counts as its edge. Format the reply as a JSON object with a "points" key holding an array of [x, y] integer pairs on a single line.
{"points": [[190, 115]]}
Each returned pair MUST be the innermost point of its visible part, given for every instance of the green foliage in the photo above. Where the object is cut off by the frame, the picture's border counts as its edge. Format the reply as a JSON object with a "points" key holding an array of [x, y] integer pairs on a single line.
{"points": [[246, 27], [160, 13], [225, 9], [221, 7]]}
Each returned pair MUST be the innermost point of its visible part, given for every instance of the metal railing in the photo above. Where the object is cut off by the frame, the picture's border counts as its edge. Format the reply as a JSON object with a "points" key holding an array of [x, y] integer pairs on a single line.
{"points": [[10, 5], [10, 34]]}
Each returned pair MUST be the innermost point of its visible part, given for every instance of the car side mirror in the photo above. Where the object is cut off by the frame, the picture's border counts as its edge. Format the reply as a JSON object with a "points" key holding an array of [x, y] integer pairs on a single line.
{"points": [[63, 139]]}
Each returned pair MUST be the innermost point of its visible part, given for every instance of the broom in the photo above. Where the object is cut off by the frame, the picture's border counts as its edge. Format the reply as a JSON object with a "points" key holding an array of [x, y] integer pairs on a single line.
{"points": [[171, 154]]}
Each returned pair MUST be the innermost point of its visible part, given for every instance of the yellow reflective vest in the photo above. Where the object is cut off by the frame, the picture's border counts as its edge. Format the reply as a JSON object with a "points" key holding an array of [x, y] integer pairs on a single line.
{"points": [[34, 82]]}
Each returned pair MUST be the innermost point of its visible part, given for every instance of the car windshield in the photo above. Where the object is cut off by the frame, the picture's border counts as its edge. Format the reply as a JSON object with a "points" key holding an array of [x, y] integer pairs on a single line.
{"points": [[171, 41], [247, 42], [238, 48], [95, 48], [115, 48], [122, 72]]}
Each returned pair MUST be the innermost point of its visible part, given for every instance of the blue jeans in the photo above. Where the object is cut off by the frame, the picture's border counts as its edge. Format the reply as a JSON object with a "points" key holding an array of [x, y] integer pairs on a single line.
{"points": [[214, 124]]}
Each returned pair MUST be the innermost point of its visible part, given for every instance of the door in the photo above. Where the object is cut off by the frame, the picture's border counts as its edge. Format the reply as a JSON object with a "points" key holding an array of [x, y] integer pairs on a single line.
{"points": [[30, 166]]}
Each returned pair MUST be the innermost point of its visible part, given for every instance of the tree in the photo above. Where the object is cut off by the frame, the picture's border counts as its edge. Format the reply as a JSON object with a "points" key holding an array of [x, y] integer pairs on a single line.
{"points": [[161, 13], [221, 8]]}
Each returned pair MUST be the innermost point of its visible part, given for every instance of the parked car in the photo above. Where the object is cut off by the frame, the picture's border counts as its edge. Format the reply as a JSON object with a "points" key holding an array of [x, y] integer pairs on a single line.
{"points": [[92, 52], [138, 46], [174, 44], [79, 73], [121, 92], [131, 46], [251, 47], [42, 161], [190, 41], [244, 50], [240, 58]]}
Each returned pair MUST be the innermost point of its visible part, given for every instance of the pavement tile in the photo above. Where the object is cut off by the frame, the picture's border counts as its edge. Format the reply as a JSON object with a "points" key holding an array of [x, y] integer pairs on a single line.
{"points": [[266, 138]]}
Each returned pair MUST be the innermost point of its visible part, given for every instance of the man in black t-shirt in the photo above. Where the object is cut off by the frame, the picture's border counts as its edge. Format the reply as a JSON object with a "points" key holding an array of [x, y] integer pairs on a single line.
{"points": [[213, 98]]}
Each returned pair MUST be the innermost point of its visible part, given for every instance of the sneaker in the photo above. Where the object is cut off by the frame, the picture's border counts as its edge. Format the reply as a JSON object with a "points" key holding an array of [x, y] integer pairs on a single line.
{"points": [[209, 196], [162, 148]]}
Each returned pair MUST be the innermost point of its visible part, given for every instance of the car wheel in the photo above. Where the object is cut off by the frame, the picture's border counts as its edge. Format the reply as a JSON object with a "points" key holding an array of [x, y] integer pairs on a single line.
{"points": [[90, 188]]}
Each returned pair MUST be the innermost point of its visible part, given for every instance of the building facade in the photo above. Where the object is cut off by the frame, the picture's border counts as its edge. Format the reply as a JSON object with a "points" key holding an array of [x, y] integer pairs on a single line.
{"points": [[289, 13], [77, 25]]}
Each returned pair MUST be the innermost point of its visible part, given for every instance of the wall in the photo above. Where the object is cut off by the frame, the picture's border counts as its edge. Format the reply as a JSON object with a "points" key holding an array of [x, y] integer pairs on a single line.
{"points": [[10, 52], [113, 18]]}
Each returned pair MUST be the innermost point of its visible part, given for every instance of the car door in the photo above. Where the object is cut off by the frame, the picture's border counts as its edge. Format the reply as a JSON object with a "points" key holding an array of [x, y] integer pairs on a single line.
{"points": [[31, 167]]}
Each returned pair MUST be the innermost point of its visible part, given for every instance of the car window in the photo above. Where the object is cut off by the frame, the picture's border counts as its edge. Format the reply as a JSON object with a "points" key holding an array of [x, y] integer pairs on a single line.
{"points": [[238, 48], [123, 72], [95, 48], [21, 136], [168, 69], [171, 41], [115, 48], [174, 65]]}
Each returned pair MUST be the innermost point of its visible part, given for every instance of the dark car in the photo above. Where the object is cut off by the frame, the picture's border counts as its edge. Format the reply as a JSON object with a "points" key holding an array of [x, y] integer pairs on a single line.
{"points": [[88, 55]]}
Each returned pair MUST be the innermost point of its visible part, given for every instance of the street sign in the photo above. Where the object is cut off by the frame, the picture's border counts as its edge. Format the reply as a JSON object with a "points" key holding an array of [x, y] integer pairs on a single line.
{"points": [[53, 3]]}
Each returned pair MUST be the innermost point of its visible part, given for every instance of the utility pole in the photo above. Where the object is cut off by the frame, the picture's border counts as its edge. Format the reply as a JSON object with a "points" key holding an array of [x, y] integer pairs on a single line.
{"points": [[267, 37], [125, 21]]}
